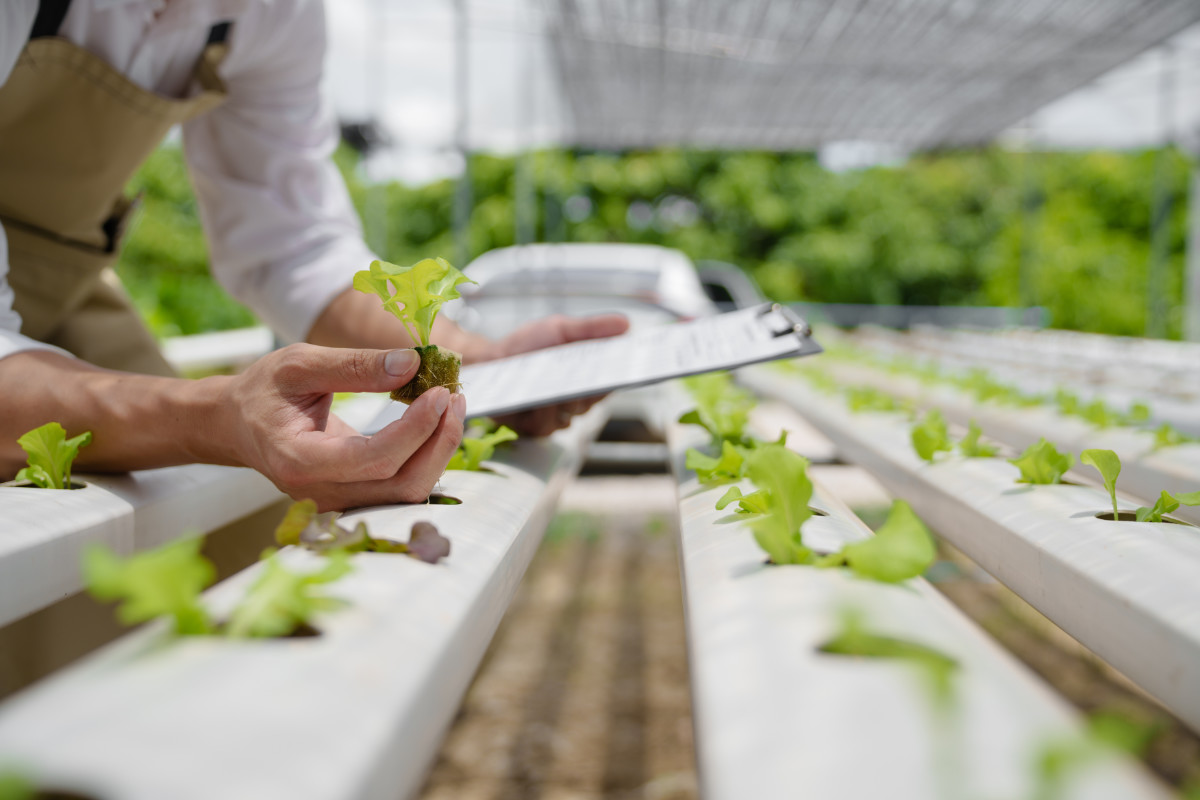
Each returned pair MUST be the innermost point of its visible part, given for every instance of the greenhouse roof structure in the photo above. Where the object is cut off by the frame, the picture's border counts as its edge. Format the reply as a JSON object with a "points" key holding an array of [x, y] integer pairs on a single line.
{"points": [[795, 74]]}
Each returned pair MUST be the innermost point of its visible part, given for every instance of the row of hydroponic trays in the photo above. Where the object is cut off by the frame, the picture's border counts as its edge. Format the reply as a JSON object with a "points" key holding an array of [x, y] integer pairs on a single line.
{"points": [[823, 665]]}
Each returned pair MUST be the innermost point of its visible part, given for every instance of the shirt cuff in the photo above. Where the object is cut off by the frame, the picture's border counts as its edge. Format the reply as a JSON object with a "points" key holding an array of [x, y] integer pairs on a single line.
{"points": [[290, 295], [12, 343]]}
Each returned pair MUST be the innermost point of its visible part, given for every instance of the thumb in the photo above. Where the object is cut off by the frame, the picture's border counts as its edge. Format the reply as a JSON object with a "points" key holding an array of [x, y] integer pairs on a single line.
{"points": [[338, 369]]}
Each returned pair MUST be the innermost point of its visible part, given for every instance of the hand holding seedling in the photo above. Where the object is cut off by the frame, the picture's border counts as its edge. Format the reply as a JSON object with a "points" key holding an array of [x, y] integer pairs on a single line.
{"points": [[278, 414]]}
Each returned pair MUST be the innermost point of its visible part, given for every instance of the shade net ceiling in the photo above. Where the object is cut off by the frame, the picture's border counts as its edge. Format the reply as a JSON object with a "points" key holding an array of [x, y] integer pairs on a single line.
{"points": [[796, 74]]}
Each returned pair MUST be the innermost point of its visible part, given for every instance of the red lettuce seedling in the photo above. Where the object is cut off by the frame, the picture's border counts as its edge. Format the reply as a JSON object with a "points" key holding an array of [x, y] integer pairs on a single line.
{"points": [[303, 527], [1041, 463], [50, 455], [1108, 464], [415, 295]]}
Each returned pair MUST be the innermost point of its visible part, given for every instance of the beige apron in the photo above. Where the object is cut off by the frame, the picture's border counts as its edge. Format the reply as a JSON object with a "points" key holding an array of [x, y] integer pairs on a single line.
{"points": [[72, 133]]}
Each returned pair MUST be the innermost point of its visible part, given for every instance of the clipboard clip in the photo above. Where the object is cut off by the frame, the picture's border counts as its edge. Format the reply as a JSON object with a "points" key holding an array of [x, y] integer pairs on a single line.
{"points": [[789, 322]]}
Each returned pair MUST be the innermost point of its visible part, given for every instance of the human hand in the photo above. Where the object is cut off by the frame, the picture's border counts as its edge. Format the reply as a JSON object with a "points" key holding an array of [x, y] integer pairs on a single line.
{"points": [[278, 416], [547, 332]]}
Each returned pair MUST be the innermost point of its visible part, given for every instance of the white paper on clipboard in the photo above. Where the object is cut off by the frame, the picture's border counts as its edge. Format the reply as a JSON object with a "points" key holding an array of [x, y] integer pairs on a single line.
{"points": [[638, 358]]}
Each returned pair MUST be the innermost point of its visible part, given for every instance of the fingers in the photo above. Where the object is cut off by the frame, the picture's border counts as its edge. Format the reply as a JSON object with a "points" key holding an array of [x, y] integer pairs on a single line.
{"points": [[597, 327], [411, 484], [307, 368], [327, 457]]}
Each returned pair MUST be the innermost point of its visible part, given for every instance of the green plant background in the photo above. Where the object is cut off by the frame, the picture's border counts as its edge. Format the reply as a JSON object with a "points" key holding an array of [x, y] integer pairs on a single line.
{"points": [[945, 229]]}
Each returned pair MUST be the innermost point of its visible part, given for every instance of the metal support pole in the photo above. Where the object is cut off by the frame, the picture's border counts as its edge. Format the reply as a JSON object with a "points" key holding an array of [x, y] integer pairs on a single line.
{"points": [[1191, 321], [524, 190], [463, 195], [1157, 309]]}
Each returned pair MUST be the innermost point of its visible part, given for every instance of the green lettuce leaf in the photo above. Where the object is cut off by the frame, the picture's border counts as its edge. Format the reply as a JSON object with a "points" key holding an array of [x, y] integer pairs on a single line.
{"points": [[165, 581], [971, 447], [753, 503], [930, 436], [1108, 464], [1165, 504], [302, 526], [414, 294], [853, 639], [723, 469], [281, 601], [1041, 463], [902, 548], [50, 455], [474, 450], [722, 407], [782, 476]]}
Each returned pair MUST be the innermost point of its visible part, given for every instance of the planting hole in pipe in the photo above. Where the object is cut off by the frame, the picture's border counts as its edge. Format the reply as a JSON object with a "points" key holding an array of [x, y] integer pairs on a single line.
{"points": [[1129, 516], [439, 499]]}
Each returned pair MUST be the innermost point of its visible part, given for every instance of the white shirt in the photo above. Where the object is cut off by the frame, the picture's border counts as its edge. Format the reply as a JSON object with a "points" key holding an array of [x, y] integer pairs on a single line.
{"points": [[283, 236]]}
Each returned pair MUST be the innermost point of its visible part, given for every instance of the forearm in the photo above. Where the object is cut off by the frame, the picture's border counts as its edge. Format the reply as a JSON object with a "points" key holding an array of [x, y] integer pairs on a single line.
{"points": [[137, 421], [355, 319]]}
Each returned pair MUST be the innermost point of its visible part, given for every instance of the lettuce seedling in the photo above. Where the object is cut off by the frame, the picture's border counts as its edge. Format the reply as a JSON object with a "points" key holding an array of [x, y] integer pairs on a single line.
{"points": [[303, 527], [971, 447], [50, 455], [930, 436], [1165, 504], [1166, 435], [281, 601], [1137, 414], [853, 639], [474, 450], [1108, 464], [727, 467], [782, 476], [1041, 463], [902, 548], [415, 295], [868, 398], [722, 407], [1099, 414], [753, 503], [1067, 402], [16, 785], [166, 581]]}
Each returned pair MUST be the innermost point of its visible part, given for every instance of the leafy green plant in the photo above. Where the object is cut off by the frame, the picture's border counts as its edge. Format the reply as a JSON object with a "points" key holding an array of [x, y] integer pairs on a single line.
{"points": [[902, 548], [930, 436], [1107, 733], [163, 582], [282, 601], [1108, 464], [50, 455], [415, 295], [868, 398], [1137, 414], [1166, 435], [1099, 414], [1041, 463], [854, 639], [303, 527], [753, 503], [1067, 402], [971, 447], [167, 581], [16, 785], [709, 470], [1165, 504], [476, 449], [722, 407], [782, 478]]}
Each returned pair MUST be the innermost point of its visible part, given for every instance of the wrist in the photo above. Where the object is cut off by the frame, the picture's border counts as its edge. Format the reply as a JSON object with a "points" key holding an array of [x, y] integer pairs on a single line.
{"points": [[203, 407]]}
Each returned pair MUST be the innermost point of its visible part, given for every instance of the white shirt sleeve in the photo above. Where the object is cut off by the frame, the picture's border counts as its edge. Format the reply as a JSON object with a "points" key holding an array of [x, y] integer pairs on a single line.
{"points": [[283, 236], [16, 20]]}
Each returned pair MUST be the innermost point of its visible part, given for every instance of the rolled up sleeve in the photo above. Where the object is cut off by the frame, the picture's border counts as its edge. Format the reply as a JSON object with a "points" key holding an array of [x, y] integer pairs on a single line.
{"points": [[283, 235], [11, 339]]}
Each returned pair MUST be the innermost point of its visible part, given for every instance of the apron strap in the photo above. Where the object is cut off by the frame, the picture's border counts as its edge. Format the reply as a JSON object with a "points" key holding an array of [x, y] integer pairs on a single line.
{"points": [[49, 18]]}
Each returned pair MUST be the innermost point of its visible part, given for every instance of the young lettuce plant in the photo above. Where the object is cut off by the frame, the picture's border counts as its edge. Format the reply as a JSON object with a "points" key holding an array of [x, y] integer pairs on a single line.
{"points": [[753, 503], [1165, 504], [971, 447], [415, 295], [168, 580], [303, 527], [477, 448], [902, 548], [722, 407], [1042, 464], [781, 476], [50, 455], [930, 436], [1166, 435], [1108, 464]]}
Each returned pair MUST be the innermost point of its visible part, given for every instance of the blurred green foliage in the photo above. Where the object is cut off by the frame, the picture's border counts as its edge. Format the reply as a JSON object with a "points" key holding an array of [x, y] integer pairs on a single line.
{"points": [[944, 228]]}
